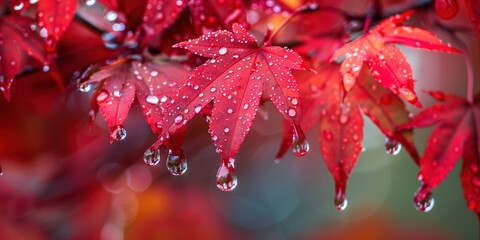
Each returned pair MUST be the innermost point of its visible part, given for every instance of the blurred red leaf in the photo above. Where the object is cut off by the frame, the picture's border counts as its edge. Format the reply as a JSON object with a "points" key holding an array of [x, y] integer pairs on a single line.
{"points": [[15, 33], [341, 122], [457, 132], [386, 62]]}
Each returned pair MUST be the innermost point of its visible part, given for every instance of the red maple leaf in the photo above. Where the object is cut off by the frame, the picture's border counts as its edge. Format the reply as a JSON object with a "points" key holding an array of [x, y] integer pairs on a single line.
{"points": [[54, 17], [457, 132], [386, 62], [118, 83], [341, 121], [15, 33], [235, 76]]}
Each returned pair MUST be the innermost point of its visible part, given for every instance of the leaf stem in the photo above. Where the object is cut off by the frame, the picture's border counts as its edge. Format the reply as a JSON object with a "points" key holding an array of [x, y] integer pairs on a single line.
{"points": [[290, 16], [468, 64]]}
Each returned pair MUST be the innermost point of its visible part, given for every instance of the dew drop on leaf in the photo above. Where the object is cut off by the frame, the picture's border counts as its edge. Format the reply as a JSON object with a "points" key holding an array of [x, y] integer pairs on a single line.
{"points": [[222, 51], [151, 157], [178, 119], [90, 2], [294, 101], [176, 163], [102, 96], [299, 141], [392, 146], [292, 112], [18, 7], [163, 99], [198, 108], [226, 177], [152, 99], [343, 119], [327, 134], [423, 199], [117, 133]]}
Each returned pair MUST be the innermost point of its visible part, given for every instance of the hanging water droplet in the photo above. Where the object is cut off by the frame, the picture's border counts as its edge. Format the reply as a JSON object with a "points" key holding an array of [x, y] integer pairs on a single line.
{"points": [[152, 99], [90, 2], [85, 88], [423, 199], [117, 133], [340, 200], [348, 81], [341, 203], [151, 157], [102, 96], [226, 177], [33, 1], [392, 146], [176, 163], [299, 141], [408, 94], [222, 51]]}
